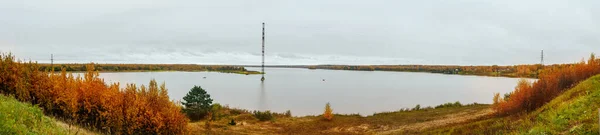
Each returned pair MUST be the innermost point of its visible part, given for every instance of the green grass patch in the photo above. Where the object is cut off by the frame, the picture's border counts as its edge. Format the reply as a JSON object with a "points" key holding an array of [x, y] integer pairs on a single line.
{"points": [[573, 112], [23, 118]]}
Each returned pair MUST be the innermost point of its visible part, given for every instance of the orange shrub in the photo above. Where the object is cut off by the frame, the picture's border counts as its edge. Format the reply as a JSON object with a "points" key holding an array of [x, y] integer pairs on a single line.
{"points": [[552, 82], [89, 101], [328, 114]]}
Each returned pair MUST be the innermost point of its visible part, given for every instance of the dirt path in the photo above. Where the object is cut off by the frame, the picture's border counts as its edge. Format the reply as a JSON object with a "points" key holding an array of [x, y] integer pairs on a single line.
{"points": [[445, 120], [74, 130]]}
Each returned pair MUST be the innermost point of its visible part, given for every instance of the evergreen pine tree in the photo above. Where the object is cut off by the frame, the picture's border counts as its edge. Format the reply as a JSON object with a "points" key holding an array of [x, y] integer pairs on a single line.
{"points": [[197, 103]]}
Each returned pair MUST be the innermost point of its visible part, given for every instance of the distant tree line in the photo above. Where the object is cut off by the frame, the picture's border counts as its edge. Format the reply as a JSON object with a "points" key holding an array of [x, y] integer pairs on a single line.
{"points": [[529, 71], [140, 67]]}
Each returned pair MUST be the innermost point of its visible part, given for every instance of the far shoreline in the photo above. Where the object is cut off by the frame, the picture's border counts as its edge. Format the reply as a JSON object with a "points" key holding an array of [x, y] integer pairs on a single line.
{"points": [[530, 71]]}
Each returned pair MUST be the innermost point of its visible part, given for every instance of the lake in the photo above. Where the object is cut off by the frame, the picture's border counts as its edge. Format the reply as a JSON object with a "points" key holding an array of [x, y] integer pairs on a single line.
{"points": [[305, 92]]}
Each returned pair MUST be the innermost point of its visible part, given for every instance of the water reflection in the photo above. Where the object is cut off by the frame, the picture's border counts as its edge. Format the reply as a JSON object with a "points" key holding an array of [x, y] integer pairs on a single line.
{"points": [[262, 98]]}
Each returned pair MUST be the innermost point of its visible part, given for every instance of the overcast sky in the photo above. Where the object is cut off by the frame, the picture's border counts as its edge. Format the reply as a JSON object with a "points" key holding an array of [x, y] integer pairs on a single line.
{"points": [[463, 32]]}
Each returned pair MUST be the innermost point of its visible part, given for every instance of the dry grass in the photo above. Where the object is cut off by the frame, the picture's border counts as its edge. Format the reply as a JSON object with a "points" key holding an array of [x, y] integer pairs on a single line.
{"points": [[72, 129], [449, 119], [381, 123]]}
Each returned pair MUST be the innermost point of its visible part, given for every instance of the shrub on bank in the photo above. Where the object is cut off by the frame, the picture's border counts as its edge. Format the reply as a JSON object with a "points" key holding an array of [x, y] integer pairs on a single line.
{"points": [[328, 114], [263, 116], [416, 108], [449, 104], [288, 113], [552, 82], [215, 111]]}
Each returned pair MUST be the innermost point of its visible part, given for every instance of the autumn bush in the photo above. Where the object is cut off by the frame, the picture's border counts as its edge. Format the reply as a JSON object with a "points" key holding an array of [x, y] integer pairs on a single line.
{"points": [[216, 111], [328, 113], [263, 116], [449, 104], [288, 113], [552, 81], [416, 108], [89, 101]]}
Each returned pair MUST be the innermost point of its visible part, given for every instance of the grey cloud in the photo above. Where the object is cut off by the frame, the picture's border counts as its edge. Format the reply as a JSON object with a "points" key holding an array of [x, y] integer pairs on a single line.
{"points": [[466, 32]]}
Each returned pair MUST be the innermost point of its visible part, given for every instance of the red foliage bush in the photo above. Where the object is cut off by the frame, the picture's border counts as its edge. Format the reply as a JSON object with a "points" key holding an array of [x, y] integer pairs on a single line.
{"points": [[88, 100], [552, 82]]}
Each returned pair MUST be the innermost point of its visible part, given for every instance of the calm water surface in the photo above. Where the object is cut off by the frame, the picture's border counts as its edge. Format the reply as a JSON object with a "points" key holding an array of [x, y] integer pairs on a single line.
{"points": [[305, 91]]}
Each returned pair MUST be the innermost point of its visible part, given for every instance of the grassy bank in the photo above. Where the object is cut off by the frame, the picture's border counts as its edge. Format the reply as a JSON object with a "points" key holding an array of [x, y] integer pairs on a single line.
{"points": [[23, 118], [403, 121], [573, 112]]}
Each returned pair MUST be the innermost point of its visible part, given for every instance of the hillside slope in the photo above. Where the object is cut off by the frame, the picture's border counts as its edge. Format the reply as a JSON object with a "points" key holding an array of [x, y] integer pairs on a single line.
{"points": [[23, 118], [573, 112]]}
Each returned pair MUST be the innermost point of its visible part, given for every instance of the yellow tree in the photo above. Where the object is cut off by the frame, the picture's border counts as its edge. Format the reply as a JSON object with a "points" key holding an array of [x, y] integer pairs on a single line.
{"points": [[328, 114]]}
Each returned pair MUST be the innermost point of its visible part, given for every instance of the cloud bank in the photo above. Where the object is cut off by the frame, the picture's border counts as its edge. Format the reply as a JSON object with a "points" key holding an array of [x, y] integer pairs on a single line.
{"points": [[463, 32]]}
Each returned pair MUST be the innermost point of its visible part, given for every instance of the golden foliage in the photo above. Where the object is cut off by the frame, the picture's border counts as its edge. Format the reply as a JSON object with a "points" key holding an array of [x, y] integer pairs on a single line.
{"points": [[328, 114], [497, 98], [551, 83], [88, 100]]}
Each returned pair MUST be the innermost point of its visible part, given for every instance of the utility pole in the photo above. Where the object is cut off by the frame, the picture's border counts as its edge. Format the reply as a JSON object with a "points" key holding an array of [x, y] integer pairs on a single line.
{"points": [[542, 57], [263, 53], [52, 62]]}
